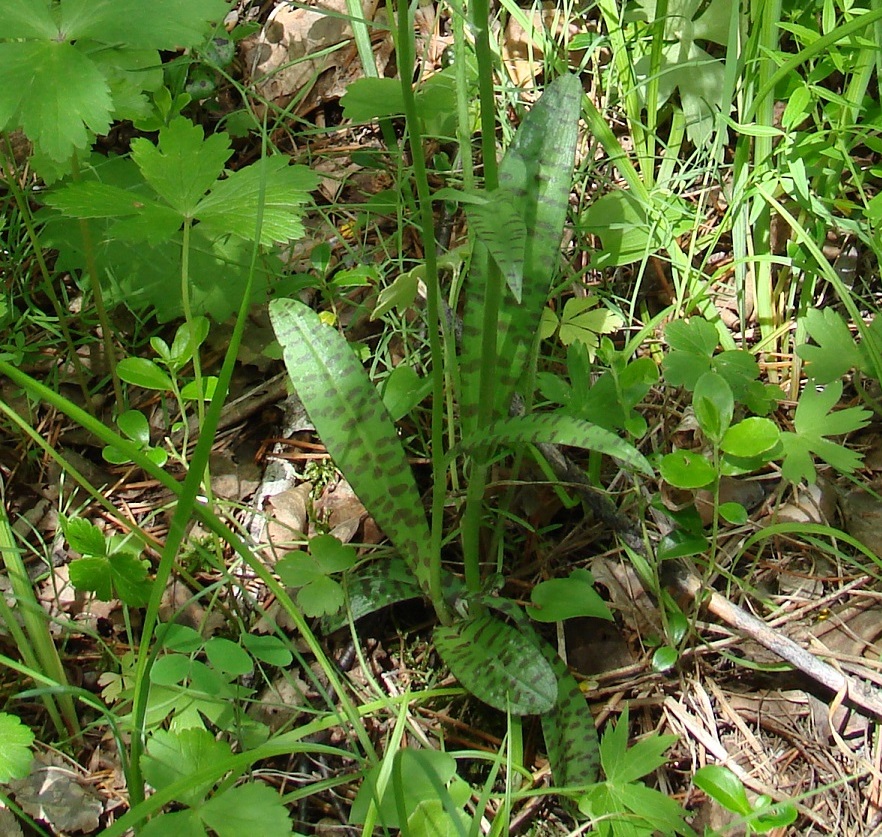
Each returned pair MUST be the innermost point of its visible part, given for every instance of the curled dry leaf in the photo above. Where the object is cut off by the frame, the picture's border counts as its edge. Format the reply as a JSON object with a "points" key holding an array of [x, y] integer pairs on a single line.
{"points": [[280, 58]]}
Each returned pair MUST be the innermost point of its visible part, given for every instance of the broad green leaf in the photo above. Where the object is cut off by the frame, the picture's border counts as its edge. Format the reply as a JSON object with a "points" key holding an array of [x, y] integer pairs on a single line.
{"points": [[252, 808], [403, 390], [568, 729], [91, 199], [15, 748], [122, 575], [171, 669], [500, 227], [55, 93], [184, 823], [430, 819], [714, 405], [696, 336], [202, 390], [498, 665], [268, 649], [184, 165], [84, 537], [177, 637], [733, 513], [664, 658], [323, 596], [537, 172], [330, 555], [234, 203], [680, 543], [356, 429], [724, 786], [172, 24], [172, 756], [372, 98], [566, 598], [141, 372], [751, 437], [228, 657], [559, 428]]}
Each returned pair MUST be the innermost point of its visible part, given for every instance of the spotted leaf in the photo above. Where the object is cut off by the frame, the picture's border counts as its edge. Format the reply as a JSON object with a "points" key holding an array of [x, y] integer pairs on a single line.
{"points": [[351, 420], [535, 175], [498, 664]]}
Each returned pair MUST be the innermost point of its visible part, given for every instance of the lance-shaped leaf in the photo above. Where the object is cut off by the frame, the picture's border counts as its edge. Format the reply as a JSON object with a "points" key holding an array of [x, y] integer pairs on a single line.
{"points": [[536, 176], [498, 664], [560, 429], [351, 420]]}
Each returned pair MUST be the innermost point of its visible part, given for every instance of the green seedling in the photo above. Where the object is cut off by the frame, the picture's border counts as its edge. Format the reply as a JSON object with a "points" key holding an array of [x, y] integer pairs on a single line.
{"points": [[134, 426]]}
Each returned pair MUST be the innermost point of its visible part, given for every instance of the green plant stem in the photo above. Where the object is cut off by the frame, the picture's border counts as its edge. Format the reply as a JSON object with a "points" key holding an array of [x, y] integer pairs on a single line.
{"points": [[98, 297], [37, 648], [479, 470], [404, 45], [25, 213]]}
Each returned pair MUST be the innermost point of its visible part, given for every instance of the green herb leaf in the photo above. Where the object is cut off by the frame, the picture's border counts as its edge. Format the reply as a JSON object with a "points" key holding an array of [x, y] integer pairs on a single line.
{"points": [[813, 421], [498, 665], [245, 809], [15, 748], [566, 598], [121, 574], [172, 756]]}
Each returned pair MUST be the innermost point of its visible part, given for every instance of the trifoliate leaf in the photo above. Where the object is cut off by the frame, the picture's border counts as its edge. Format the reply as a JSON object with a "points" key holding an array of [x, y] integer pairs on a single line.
{"points": [[122, 574], [583, 321]]}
